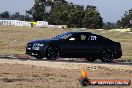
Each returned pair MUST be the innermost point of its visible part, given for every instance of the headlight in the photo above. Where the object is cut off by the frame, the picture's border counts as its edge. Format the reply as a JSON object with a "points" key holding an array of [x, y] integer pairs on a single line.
{"points": [[38, 45]]}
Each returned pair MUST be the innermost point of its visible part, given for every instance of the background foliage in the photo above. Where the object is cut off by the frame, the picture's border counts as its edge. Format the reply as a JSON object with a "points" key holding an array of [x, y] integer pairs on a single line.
{"points": [[64, 13], [125, 20]]}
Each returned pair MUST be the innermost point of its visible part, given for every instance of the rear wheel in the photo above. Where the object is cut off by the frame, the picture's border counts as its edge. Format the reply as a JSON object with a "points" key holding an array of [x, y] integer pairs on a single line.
{"points": [[52, 53], [107, 56]]}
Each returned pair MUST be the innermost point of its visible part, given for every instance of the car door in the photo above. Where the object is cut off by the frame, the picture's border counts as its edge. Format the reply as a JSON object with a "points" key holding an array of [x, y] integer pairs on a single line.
{"points": [[95, 45], [84, 45], [71, 46], [88, 45], [77, 46]]}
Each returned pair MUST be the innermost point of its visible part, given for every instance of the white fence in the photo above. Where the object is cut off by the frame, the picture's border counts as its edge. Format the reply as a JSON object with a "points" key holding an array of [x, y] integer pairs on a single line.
{"points": [[16, 23], [41, 24], [57, 26], [30, 24]]}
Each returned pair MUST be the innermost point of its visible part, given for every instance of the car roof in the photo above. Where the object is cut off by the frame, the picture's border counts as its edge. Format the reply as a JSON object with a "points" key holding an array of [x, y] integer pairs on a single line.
{"points": [[79, 33]]}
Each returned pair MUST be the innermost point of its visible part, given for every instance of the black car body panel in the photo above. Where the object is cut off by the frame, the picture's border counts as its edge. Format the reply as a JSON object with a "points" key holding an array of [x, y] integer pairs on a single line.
{"points": [[86, 44]]}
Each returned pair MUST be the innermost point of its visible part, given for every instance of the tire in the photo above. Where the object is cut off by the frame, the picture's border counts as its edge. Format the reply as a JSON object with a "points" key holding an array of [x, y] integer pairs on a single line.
{"points": [[39, 57], [52, 53], [90, 59], [107, 56]]}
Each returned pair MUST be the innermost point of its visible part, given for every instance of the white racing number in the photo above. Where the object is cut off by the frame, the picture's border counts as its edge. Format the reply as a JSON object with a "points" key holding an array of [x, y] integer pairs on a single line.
{"points": [[93, 38]]}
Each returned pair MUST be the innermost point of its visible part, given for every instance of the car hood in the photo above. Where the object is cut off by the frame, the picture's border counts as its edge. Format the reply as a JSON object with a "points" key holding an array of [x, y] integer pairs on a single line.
{"points": [[42, 41]]}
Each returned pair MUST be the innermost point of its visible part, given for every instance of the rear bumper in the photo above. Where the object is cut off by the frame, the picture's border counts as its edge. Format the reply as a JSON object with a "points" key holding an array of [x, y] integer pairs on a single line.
{"points": [[118, 54]]}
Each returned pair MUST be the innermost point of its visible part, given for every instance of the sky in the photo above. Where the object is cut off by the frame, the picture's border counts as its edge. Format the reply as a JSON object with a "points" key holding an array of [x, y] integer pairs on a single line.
{"points": [[110, 10], [16, 5]]}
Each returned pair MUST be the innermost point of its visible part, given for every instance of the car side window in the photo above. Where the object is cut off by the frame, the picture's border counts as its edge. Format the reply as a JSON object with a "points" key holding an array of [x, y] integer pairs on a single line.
{"points": [[75, 37], [83, 37], [79, 37]]}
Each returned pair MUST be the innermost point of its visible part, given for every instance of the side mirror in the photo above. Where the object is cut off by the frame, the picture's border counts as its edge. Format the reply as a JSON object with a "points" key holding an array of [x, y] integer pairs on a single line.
{"points": [[72, 39]]}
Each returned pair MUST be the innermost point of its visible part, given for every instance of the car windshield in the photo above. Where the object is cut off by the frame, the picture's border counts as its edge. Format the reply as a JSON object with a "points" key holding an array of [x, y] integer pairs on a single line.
{"points": [[62, 36]]}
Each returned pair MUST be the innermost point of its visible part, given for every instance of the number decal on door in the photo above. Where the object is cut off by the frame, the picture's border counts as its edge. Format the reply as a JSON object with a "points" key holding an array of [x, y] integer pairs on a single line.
{"points": [[94, 38]]}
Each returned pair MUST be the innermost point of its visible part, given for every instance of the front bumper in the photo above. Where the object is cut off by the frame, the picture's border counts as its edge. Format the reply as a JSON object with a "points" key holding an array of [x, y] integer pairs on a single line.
{"points": [[34, 51]]}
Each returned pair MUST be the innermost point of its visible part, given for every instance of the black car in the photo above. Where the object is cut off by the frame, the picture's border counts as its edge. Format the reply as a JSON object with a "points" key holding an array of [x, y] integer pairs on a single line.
{"points": [[76, 45]]}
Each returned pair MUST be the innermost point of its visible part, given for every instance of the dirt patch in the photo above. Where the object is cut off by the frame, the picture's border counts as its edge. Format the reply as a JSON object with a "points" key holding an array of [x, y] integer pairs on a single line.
{"points": [[29, 76], [16, 73]]}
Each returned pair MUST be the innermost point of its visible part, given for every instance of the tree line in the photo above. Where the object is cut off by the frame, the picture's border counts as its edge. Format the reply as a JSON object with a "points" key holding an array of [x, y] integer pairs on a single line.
{"points": [[124, 22], [60, 12], [15, 16]]}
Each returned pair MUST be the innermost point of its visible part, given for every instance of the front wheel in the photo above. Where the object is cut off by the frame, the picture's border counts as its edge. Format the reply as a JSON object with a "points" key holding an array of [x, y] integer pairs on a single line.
{"points": [[107, 56], [52, 53]]}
